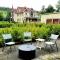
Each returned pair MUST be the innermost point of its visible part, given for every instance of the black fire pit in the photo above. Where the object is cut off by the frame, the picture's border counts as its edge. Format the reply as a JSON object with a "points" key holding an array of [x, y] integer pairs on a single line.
{"points": [[26, 51]]}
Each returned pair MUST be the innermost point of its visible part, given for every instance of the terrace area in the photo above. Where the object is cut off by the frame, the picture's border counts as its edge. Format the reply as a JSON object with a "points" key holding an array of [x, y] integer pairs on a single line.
{"points": [[36, 30], [40, 54]]}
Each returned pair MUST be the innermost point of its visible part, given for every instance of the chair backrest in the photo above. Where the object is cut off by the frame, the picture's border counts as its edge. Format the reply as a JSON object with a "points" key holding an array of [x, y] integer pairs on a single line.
{"points": [[7, 37], [54, 37], [27, 35]]}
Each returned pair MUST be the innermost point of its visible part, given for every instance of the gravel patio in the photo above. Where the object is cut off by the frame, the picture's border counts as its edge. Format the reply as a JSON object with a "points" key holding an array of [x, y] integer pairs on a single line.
{"points": [[40, 54]]}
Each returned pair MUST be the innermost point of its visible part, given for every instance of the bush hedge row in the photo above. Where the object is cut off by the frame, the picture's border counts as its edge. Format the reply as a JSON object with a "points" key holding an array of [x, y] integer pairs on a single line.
{"points": [[38, 30]]}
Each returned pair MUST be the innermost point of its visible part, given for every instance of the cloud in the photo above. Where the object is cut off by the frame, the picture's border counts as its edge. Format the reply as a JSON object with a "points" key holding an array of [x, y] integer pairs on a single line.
{"points": [[36, 4]]}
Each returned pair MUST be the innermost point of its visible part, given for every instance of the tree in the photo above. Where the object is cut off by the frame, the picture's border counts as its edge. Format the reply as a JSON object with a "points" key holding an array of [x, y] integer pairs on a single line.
{"points": [[1, 16], [58, 6], [43, 10], [8, 17], [50, 9]]}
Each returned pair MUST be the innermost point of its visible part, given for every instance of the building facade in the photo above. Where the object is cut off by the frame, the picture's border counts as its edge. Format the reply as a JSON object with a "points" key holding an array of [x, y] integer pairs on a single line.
{"points": [[52, 18], [24, 14]]}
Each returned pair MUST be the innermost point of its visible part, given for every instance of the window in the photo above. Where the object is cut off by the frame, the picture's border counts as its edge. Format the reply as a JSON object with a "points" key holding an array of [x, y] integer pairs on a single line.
{"points": [[18, 20], [59, 21], [26, 13], [31, 13], [49, 21], [17, 14], [55, 21]]}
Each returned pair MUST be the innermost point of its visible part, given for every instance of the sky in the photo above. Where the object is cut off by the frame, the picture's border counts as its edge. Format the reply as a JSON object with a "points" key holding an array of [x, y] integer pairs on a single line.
{"points": [[35, 4]]}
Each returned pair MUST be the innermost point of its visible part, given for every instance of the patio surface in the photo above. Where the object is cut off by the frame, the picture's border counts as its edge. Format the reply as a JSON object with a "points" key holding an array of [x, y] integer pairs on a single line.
{"points": [[40, 55]]}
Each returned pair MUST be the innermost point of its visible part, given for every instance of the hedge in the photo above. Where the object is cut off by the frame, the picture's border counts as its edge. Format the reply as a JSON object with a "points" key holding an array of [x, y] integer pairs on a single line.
{"points": [[38, 30]]}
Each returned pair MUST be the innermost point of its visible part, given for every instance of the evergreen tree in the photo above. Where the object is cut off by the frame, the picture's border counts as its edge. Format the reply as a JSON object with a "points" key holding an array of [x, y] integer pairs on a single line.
{"points": [[58, 6], [50, 9], [43, 10]]}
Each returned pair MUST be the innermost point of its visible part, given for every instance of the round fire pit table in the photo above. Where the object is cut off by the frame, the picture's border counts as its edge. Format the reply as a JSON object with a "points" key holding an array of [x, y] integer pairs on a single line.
{"points": [[26, 51]]}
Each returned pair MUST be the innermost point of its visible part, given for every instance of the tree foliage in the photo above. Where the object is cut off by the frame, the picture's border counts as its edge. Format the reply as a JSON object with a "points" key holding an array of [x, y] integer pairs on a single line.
{"points": [[43, 10], [1, 16], [50, 9], [5, 9], [8, 17], [58, 6]]}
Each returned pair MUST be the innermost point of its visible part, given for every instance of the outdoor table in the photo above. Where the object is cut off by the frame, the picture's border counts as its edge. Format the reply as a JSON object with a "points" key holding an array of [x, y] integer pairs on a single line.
{"points": [[40, 43], [40, 40], [26, 51]]}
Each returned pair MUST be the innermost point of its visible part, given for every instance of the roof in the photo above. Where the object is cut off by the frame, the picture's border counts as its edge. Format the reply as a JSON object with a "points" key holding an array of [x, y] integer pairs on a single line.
{"points": [[51, 13], [23, 9]]}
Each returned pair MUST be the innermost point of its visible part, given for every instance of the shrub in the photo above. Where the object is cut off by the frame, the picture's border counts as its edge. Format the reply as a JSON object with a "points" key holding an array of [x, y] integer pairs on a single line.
{"points": [[4, 24], [38, 30]]}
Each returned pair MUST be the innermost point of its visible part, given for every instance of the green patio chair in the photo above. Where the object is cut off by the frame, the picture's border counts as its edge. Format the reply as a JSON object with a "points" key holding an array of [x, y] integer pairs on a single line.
{"points": [[8, 40]]}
